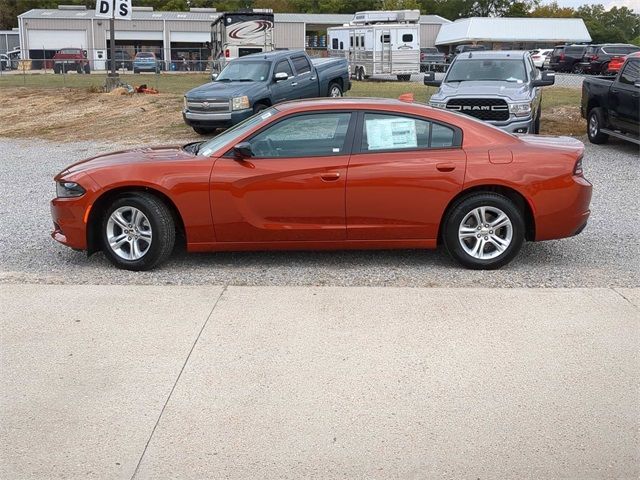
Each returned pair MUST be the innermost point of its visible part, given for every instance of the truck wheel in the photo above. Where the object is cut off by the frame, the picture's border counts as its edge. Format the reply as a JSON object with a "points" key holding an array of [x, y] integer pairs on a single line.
{"points": [[56, 69], [258, 107], [594, 125], [334, 90], [87, 69], [79, 69], [359, 73], [203, 130], [136, 71]]}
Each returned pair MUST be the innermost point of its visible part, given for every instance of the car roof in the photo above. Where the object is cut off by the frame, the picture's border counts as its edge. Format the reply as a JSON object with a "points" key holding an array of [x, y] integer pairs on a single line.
{"points": [[493, 54]]}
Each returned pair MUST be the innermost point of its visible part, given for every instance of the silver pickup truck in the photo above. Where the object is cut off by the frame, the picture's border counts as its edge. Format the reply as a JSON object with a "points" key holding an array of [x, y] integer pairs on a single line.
{"points": [[499, 87]]}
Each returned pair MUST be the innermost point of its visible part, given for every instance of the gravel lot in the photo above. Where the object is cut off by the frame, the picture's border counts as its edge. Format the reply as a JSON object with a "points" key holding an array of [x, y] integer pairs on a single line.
{"points": [[605, 254]]}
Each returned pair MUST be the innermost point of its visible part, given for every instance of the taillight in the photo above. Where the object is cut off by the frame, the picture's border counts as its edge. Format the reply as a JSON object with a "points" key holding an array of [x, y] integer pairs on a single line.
{"points": [[227, 53], [562, 56], [577, 169]]}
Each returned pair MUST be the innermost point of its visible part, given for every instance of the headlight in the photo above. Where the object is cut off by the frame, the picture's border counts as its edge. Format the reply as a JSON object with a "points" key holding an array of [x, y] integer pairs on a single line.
{"points": [[68, 189], [239, 103], [520, 109], [438, 104], [184, 102]]}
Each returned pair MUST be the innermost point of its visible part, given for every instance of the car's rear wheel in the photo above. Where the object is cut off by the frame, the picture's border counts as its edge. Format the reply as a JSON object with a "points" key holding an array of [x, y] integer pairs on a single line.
{"points": [[484, 231], [138, 232], [594, 126], [335, 91]]}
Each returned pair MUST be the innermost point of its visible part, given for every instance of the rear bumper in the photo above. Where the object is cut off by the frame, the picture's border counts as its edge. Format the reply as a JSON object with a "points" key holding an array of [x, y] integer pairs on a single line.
{"points": [[215, 120], [565, 213]]}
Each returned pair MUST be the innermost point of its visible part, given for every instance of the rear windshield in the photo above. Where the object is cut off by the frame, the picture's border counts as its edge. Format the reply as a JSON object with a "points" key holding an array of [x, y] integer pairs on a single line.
{"points": [[429, 50], [500, 70], [558, 50], [621, 50], [145, 55], [574, 50]]}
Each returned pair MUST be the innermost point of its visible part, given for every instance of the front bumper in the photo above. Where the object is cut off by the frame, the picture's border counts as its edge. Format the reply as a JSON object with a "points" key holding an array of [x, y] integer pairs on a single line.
{"points": [[519, 125], [69, 227], [215, 120]]}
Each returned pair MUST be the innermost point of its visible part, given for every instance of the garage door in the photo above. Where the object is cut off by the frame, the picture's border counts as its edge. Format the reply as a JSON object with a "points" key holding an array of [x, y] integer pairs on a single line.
{"points": [[57, 39], [190, 37]]}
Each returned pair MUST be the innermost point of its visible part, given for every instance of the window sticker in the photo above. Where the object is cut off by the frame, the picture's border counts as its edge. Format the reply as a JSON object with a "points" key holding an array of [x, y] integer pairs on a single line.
{"points": [[391, 133]]}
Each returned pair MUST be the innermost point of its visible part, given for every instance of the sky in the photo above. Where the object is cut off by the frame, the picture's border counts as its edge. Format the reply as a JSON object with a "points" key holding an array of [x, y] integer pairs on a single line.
{"points": [[632, 4]]}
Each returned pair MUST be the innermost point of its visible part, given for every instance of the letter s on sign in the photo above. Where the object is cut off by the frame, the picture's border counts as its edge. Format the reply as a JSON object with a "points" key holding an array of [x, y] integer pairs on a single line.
{"points": [[124, 10]]}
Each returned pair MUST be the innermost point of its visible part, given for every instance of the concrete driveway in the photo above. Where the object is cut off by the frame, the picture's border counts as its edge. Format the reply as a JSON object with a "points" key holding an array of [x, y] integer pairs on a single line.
{"points": [[310, 382]]}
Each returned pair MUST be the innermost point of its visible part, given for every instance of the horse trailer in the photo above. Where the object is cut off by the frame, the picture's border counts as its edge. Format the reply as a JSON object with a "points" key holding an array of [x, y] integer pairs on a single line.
{"points": [[379, 43]]}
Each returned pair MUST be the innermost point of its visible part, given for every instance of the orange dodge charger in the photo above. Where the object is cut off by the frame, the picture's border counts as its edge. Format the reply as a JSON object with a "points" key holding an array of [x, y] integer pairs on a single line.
{"points": [[329, 174]]}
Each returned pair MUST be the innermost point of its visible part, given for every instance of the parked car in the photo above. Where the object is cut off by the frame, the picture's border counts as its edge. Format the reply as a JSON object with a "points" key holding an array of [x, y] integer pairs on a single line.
{"points": [[499, 87], [71, 60], [616, 63], [254, 82], [5, 62], [566, 58], [329, 174], [612, 106], [14, 58], [464, 48], [597, 60], [123, 60], [432, 59], [539, 56], [146, 62]]}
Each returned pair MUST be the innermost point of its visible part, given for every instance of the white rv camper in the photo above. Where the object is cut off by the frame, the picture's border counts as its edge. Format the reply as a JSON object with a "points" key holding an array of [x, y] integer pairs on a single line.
{"points": [[379, 43], [236, 34]]}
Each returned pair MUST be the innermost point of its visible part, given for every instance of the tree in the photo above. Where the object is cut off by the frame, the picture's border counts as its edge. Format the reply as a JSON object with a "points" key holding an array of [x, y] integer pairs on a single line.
{"points": [[552, 10]]}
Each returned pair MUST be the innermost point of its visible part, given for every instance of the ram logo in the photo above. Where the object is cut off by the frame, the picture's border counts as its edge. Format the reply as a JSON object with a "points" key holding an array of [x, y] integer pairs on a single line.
{"points": [[484, 108]]}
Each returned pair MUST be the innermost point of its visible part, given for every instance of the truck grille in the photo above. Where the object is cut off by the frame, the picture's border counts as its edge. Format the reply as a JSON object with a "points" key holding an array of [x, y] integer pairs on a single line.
{"points": [[481, 108], [205, 106]]}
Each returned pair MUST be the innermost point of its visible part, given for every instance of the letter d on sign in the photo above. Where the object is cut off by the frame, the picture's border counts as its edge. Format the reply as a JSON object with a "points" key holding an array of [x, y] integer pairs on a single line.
{"points": [[103, 8]]}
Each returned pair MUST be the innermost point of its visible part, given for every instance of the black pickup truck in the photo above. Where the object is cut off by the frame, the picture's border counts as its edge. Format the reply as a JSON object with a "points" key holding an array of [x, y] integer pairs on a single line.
{"points": [[612, 107]]}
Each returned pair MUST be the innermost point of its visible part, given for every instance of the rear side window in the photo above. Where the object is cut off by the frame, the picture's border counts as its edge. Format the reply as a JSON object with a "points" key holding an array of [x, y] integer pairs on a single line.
{"points": [[334, 44], [558, 51], [301, 65], [574, 50], [383, 132], [407, 37], [622, 50], [631, 73]]}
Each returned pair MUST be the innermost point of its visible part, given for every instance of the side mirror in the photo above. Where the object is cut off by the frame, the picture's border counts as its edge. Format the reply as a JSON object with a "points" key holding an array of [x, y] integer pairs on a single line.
{"points": [[547, 78], [430, 79], [637, 84], [280, 76], [214, 76], [242, 150]]}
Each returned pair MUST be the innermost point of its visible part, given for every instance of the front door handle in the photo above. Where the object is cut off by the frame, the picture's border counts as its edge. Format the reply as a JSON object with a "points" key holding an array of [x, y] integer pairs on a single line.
{"points": [[312, 78], [330, 176], [294, 84], [446, 167]]}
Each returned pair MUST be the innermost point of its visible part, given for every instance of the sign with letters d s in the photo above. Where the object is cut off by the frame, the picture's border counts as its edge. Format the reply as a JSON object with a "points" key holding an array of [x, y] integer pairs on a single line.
{"points": [[104, 8]]}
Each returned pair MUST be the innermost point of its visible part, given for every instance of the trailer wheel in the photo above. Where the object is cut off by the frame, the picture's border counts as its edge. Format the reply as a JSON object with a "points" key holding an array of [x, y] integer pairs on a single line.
{"points": [[404, 78], [360, 73]]}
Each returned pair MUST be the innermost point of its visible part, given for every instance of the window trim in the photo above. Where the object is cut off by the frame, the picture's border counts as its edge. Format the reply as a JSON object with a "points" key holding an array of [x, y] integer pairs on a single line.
{"points": [[348, 141], [626, 66], [407, 34], [284, 60], [357, 140]]}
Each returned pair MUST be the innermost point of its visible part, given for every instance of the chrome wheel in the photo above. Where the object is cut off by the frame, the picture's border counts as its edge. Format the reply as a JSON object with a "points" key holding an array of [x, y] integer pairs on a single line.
{"points": [[485, 232], [129, 233], [593, 125], [335, 92]]}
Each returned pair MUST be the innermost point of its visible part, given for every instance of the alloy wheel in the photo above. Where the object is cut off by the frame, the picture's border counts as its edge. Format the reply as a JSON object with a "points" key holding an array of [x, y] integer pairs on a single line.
{"points": [[129, 233], [593, 125], [485, 232]]}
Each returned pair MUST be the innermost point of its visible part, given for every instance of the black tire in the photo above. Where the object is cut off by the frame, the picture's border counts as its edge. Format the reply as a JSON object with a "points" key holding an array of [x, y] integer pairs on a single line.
{"points": [[162, 227], [595, 121], [56, 69], [536, 123], [335, 90], [360, 73], [87, 69], [204, 130], [258, 107], [462, 209], [403, 78], [79, 69], [136, 71]]}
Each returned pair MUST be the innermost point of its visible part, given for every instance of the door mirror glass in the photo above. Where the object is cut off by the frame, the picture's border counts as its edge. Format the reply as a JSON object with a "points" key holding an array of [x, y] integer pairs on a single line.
{"points": [[547, 78], [214, 76], [280, 76], [430, 79], [243, 150]]}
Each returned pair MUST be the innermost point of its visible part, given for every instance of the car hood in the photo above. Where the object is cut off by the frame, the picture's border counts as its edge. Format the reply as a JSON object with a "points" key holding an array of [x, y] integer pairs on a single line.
{"points": [[511, 90], [221, 90], [128, 157]]}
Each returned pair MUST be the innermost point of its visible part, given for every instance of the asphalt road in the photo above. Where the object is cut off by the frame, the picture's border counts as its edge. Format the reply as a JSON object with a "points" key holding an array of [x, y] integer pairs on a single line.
{"points": [[605, 254]]}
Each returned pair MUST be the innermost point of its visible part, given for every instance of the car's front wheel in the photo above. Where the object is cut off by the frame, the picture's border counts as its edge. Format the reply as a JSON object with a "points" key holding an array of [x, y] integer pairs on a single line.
{"points": [[138, 232], [484, 231]]}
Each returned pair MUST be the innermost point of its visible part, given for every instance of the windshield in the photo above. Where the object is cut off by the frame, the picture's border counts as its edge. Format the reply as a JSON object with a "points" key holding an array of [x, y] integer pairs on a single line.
{"points": [[244, 72], [209, 147], [487, 70], [145, 55]]}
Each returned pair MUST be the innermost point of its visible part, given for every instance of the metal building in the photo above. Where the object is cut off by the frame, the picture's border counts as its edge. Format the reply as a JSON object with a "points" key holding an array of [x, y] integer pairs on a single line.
{"points": [[9, 40], [171, 35], [513, 33]]}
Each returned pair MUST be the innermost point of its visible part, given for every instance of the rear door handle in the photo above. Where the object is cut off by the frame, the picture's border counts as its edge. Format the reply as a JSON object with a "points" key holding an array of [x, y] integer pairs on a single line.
{"points": [[446, 167], [312, 78], [294, 84], [330, 176]]}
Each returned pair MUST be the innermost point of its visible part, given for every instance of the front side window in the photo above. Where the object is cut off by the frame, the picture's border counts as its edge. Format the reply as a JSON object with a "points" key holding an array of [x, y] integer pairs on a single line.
{"points": [[284, 67], [301, 65], [382, 132], [313, 135], [631, 73]]}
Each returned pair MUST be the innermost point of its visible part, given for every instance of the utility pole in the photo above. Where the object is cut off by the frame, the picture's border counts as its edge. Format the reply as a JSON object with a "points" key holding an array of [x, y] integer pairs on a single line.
{"points": [[112, 77]]}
